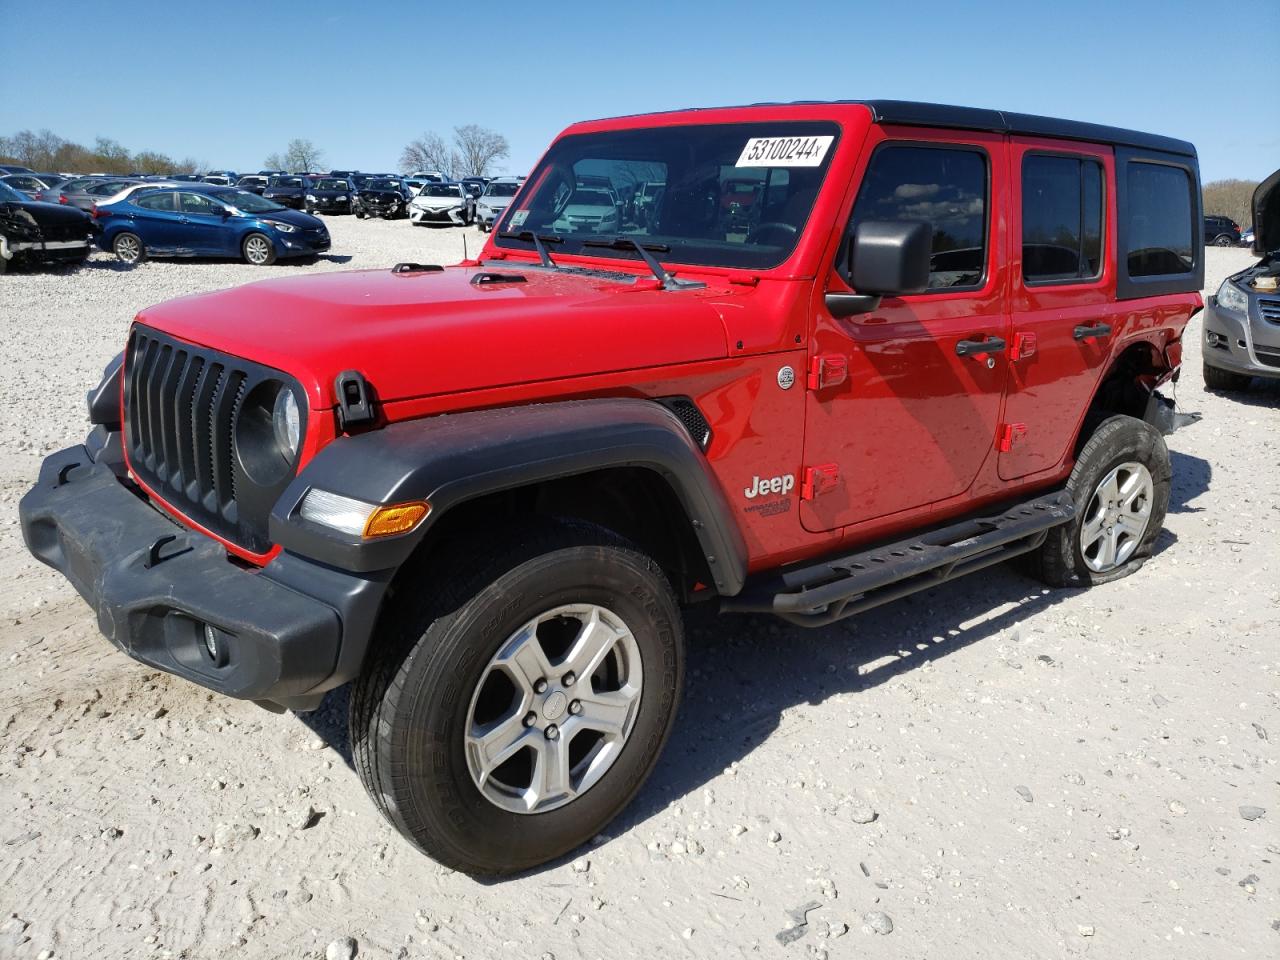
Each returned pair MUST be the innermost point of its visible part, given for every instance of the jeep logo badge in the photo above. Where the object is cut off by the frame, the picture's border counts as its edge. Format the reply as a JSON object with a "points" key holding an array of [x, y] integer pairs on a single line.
{"points": [[786, 378]]}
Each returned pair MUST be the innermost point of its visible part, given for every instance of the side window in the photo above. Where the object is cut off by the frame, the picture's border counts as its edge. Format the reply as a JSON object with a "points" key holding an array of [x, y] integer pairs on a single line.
{"points": [[945, 187], [198, 203], [156, 201], [1062, 215], [1161, 203]]}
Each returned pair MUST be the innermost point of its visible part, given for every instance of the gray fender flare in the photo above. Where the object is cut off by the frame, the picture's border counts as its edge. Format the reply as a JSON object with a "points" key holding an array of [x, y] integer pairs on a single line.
{"points": [[449, 459]]}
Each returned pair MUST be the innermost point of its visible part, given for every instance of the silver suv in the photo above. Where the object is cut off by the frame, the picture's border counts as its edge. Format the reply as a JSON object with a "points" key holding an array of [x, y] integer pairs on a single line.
{"points": [[496, 198]]}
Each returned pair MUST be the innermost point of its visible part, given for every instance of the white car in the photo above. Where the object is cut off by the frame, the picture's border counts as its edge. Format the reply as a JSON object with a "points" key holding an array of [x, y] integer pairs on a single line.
{"points": [[494, 201], [447, 203], [589, 210]]}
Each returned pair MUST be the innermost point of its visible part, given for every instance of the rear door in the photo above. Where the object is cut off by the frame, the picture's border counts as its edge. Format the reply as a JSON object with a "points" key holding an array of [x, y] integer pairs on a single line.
{"points": [[155, 219], [1063, 304], [915, 419]]}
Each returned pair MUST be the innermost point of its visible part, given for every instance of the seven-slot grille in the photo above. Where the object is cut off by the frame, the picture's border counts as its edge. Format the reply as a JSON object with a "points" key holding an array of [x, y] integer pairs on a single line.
{"points": [[1270, 308], [181, 405]]}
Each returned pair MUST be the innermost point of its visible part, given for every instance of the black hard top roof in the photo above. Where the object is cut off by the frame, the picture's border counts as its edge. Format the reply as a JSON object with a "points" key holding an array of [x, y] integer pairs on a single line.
{"points": [[1001, 121]]}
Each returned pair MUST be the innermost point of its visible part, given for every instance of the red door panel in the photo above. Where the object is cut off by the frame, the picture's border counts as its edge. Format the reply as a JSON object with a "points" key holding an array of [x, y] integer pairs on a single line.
{"points": [[1051, 382], [914, 422]]}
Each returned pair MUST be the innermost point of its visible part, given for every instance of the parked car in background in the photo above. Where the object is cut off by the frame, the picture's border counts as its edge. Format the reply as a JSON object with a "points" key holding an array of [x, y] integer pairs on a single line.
{"points": [[290, 191], [494, 201], [254, 183], [273, 173], [7, 168], [218, 180], [1241, 329], [179, 177], [328, 195], [590, 210], [447, 203], [35, 232], [1221, 231], [204, 220], [384, 197], [413, 184], [343, 174], [434, 175], [85, 192], [646, 198], [1246, 236], [35, 186]]}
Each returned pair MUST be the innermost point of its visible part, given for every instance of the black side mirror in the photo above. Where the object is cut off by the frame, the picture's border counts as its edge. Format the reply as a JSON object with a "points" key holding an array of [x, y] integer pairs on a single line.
{"points": [[885, 258]]}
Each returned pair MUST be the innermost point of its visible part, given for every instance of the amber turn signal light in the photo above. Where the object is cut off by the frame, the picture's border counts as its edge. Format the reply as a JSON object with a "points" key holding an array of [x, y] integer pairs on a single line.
{"points": [[395, 518]]}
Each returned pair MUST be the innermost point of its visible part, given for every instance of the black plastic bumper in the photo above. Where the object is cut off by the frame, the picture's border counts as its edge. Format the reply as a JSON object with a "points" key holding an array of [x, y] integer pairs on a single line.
{"points": [[285, 633]]}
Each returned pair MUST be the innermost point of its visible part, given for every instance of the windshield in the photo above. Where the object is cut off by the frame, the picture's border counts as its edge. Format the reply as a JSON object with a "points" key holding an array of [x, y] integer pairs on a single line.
{"points": [[286, 181], [10, 195], [382, 184], [248, 202], [440, 190], [687, 171], [502, 190], [331, 184]]}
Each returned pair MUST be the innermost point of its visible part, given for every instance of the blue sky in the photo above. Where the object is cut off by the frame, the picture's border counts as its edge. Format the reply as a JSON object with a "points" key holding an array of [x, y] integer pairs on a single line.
{"points": [[230, 82]]}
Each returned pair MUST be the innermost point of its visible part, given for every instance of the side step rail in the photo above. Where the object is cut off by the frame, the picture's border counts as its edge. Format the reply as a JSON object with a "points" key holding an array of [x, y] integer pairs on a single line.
{"points": [[816, 595]]}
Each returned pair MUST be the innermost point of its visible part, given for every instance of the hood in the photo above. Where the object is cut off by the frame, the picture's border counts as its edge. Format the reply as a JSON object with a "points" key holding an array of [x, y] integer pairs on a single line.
{"points": [[283, 191], [48, 215], [496, 203], [296, 217], [436, 203], [381, 194], [1266, 216], [420, 334]]}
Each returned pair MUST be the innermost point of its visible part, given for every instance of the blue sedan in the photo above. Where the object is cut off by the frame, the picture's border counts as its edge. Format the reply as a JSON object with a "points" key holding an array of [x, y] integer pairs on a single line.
{"points": [[201, 220]]}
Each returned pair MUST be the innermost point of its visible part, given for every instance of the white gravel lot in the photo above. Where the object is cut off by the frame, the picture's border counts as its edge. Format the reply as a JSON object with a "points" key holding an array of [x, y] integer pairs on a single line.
{"points": [[989, 770]]}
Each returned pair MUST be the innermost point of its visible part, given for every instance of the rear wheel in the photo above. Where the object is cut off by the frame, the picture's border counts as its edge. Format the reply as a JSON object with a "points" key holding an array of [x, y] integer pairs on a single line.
{"points": [[1215, 378], [128, 247], [1224, 240], [1120, 486], [258, 250], [524, 699]]}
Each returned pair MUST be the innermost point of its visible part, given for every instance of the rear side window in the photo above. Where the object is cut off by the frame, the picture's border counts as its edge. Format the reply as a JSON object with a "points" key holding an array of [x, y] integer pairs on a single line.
{"points": [[1161, 204], [945, 187], [1062, 216], [156, 201]]}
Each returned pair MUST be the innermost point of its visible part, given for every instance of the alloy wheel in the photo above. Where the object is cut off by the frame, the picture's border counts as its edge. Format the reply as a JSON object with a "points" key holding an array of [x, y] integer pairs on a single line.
{"points": [[257, 250], [553, 709], [128, 248], [1116, 518]]}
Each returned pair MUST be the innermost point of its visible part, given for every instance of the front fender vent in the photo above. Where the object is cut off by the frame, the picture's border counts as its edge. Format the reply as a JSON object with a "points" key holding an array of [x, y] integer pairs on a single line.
{"points": [[691, 417]]}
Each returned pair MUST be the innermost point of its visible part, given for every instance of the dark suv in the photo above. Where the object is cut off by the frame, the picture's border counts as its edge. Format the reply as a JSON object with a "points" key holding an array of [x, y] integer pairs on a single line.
{"points": [[1221, 232]]}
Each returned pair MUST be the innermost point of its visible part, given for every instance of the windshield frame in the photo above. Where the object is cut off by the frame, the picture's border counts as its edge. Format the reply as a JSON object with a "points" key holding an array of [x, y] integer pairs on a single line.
{"points": [[715, 165]]}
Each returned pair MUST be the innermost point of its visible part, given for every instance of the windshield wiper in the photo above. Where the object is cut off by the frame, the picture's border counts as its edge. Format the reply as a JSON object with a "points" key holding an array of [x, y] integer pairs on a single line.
{"points": [[668, 280], [538, 240]]}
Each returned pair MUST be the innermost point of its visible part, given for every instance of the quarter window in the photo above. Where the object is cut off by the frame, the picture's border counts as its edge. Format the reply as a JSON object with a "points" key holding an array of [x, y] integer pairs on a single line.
{"points": [[1161, 201], [1061, 218], [942, 186]]}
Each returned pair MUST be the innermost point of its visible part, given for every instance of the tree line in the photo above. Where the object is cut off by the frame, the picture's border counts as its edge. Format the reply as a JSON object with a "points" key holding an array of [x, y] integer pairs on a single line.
{"points": [[46, 151], [474, 151], [1230, 198]]}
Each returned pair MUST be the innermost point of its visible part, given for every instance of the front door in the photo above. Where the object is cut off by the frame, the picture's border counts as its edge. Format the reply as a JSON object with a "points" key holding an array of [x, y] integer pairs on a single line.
{"points": [[917, 415], [1063, 305], [204, 227]]}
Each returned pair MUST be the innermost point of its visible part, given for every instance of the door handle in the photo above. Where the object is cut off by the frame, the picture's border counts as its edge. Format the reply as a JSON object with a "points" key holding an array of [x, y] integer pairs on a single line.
{"points": [[183, 220], [973, 348], [1095, 332]]}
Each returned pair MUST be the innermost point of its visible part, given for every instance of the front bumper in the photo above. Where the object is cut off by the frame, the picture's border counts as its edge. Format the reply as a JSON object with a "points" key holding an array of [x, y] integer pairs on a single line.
{"points": [[1247, 344], [454, 215], [285, 633], [301, 244], [327, 205], [45, 250]]}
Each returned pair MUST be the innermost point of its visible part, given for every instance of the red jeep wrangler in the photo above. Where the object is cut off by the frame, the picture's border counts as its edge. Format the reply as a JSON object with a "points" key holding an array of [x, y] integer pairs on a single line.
{"points": [[481, 493]]}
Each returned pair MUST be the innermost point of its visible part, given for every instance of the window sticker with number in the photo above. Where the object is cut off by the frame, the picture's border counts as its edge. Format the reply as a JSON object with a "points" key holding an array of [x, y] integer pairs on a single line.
{"points": [[784, 151]]}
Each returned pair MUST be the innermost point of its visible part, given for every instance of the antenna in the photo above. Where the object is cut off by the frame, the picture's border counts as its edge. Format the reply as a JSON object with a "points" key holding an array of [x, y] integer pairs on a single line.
{"points": [[464, 247]]}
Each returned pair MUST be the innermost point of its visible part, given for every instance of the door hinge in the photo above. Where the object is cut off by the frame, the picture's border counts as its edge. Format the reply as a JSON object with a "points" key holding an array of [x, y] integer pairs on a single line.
{"points": [[818, 480], [1024, 345], [828, 370], [1010, 433]]}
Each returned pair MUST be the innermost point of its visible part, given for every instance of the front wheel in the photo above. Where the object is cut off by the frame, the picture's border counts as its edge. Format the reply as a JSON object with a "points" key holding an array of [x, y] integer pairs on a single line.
{"points": [[1224, 241], [1215, 378], [258, 250], [522, 701], [1120, 486]]}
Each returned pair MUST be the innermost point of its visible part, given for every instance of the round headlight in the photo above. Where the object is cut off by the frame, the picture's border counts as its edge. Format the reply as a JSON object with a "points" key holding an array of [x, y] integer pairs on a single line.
{"points": [[287, 423]]}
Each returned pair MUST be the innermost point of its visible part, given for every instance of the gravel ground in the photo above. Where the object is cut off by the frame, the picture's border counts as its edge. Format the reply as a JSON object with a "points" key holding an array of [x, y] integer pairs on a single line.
{"points": [[988, 770]]}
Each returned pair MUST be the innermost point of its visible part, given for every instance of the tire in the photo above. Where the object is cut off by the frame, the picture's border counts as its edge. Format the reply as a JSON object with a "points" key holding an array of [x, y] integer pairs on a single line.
{"points": [[1223, 240], [1215, 378], [1121, 448], [128, 247], [359, 214], [4, 266], [258, 250], [426, 680]]}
